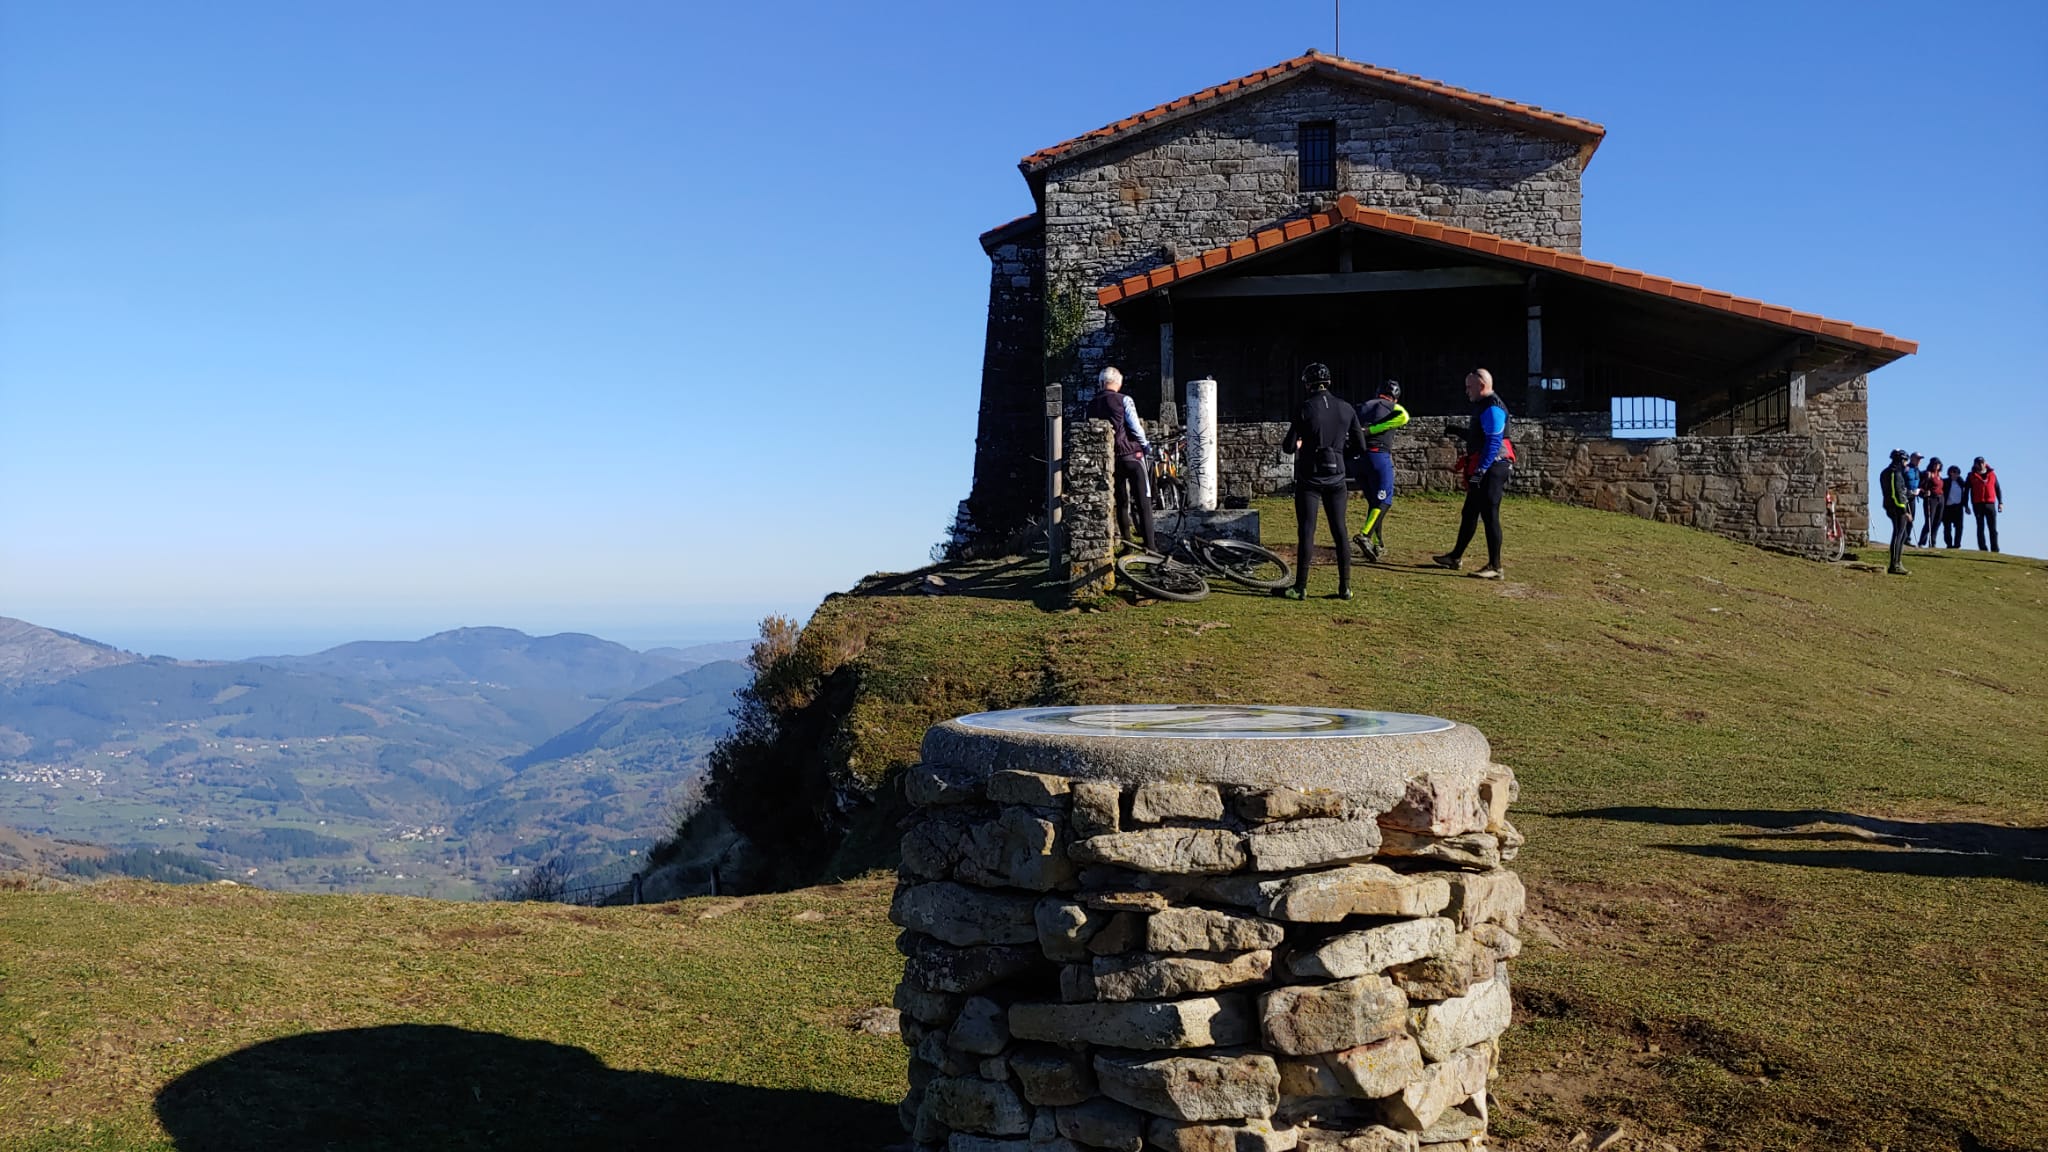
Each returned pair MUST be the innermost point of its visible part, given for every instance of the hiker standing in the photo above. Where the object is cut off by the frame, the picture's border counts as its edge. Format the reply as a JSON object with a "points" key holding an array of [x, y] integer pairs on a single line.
{"points": [[1324, 432], [1930, 504], [1133, 486], [1485, 468], [1380, 416], [1915, 478], [1987, 500], [1955, 493], [1898, 501]]}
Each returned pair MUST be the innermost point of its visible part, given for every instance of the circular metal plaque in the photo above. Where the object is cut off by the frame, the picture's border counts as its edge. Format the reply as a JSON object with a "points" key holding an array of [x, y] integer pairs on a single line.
{"points": [[1205, 722]]}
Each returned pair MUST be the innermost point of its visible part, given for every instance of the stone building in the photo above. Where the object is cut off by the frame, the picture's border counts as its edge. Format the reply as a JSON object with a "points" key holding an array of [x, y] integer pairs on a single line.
{"points": [[1396, 227]]}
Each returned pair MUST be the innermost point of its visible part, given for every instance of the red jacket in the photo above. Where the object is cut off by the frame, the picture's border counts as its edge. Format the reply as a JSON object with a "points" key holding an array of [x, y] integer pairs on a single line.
{"points": [[1984, 488]]}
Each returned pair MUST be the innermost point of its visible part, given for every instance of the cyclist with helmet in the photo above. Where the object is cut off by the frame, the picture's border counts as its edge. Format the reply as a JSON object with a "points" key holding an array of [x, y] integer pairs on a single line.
{"points": [[1891, 485], [1380, 416], [1325, 431]]}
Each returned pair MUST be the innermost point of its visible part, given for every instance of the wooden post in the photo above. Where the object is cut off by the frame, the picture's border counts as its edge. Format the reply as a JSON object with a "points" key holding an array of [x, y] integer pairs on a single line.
{"points": [[1166, 368], [636, 888], [1055, 472]]}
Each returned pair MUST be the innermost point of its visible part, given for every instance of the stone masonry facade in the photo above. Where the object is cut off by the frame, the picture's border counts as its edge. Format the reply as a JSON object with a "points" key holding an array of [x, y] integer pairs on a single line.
{"points": [[1210, 173], [1222, 176]]}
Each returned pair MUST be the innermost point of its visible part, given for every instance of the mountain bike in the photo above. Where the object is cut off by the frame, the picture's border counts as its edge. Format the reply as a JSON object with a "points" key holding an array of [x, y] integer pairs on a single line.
{"points": [[1835, 536], [1181, 572]]}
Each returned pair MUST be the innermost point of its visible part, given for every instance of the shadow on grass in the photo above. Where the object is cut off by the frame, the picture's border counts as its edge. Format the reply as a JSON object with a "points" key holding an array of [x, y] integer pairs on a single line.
{"points": [[1010, 578], [410, 1087], [1909, 847]]}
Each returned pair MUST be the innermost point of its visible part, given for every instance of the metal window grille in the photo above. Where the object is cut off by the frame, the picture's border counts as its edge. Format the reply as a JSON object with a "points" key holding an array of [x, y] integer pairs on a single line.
{"points": [[1644, 417], [1316, 146], [1770, 412]]}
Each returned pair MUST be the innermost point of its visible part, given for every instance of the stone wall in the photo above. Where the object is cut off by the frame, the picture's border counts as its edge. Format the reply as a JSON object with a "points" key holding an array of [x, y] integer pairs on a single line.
{"points": [[1218, 177], [1768, 489], [1173, 965], [1009, 478], [1088, 513]]}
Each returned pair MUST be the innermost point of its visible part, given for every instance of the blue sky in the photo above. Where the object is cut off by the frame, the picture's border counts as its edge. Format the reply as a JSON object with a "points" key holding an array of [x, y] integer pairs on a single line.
{"points": [[320, 322]]}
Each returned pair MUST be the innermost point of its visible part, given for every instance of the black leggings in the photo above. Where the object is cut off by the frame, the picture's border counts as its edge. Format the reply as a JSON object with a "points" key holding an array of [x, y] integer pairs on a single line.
{"points": [[1901, 528], [1306, 496], [1482, 502], [1952, 525], [1134, 493]]}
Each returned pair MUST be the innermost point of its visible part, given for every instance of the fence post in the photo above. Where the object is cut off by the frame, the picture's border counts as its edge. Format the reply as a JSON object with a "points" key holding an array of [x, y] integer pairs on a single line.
{"points": [[636, 888]]}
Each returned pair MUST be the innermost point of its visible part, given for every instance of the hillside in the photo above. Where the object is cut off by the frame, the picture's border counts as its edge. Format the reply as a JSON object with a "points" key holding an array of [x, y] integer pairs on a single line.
{"points": [[1785, 855], [498, 657], [29, 654], [399, 766], [693, 701]]}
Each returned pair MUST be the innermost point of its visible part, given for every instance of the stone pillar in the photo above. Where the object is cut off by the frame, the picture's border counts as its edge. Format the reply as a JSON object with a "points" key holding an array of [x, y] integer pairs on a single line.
{"points": [[1201, 425], [1088, 509], [1197, 928]]}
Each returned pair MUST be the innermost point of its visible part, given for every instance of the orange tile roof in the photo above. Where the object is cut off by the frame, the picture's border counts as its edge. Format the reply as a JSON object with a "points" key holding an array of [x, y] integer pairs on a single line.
{"points": [[1005, 231], [1349, 211], [1542, 120]]}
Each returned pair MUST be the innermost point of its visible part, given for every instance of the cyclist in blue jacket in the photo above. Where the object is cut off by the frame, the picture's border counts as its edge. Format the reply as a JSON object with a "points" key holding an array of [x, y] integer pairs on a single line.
{"points": [[1486, 466]]}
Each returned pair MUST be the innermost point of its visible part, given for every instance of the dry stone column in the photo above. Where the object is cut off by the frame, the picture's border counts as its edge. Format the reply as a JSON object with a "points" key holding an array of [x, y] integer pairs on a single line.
{"points": [[1204, 930]]}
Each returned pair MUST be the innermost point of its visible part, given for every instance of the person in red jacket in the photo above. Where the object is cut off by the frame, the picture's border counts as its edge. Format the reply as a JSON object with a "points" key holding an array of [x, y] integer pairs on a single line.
{"points": [[1987, 500], [1930, 495]]}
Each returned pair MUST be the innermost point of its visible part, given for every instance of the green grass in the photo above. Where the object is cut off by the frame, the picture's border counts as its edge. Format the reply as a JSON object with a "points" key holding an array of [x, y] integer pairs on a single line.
{"points": [[1726, 757], [393, 1022]]}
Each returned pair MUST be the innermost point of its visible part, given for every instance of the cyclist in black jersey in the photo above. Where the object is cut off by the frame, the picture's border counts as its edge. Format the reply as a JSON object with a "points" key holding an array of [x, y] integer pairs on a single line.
{"points": [[1325, 431]]}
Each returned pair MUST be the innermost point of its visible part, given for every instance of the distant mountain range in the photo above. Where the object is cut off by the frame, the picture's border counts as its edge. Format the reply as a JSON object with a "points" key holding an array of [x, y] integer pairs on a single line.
{"points": [[431, 766]]}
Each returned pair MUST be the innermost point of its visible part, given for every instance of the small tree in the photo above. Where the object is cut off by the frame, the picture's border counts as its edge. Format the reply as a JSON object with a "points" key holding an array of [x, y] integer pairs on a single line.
{"points": [[546, 882]]}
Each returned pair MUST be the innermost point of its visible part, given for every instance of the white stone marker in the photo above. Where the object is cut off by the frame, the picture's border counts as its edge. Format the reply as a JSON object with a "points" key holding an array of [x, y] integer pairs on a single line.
{"points": [[1200, 419]]}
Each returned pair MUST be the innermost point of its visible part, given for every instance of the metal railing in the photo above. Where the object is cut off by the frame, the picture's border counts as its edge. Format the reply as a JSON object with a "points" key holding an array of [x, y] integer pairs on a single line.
{"points": [[1642, 416]]}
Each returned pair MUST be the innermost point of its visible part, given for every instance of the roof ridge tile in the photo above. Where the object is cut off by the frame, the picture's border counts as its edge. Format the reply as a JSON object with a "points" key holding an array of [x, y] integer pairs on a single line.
{"points": [[1580, 128]]}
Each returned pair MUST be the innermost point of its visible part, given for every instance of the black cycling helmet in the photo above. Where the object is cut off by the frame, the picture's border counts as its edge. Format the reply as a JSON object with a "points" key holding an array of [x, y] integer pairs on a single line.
{"points": [[1898, 454], [1391, 390], [1316, 375]]}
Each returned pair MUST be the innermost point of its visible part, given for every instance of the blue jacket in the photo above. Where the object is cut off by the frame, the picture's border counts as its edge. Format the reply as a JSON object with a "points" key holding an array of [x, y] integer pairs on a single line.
{"points": [[1489, 428]]}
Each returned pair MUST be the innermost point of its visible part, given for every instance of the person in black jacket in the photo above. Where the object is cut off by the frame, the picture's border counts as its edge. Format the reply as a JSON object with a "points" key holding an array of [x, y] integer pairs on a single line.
{"points": [[1324, 433], [1897, 496]]}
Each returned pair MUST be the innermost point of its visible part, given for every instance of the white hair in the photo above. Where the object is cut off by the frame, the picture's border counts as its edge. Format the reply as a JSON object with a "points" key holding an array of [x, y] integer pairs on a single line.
{"points": [[1108, 377]]}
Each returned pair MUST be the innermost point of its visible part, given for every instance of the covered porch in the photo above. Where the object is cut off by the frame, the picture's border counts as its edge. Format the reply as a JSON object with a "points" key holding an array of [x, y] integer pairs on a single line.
{"points": [[1378, 296]]}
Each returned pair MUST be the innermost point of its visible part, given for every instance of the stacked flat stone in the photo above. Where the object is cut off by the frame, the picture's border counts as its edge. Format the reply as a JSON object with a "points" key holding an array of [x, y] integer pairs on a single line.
{"points": [[1204, 945]]}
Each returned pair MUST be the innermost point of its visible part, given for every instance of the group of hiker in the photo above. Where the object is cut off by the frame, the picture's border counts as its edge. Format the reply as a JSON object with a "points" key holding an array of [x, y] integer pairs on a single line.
{"points": [[1941, 501], [1334, 444]]}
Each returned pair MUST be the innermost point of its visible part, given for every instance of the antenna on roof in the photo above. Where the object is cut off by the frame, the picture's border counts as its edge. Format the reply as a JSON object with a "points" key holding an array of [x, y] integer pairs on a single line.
{"points": [[1337, 28]]}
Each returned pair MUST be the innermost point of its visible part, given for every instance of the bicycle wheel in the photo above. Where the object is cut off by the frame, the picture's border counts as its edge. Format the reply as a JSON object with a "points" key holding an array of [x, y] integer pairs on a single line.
{"points": [[1247, 564], [1172, 506], [1161, 578], [1834, 544]]}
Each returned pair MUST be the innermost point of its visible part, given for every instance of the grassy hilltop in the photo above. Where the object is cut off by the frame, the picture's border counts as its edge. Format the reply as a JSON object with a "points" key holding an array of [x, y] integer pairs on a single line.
{"points": [[1788, 866]]}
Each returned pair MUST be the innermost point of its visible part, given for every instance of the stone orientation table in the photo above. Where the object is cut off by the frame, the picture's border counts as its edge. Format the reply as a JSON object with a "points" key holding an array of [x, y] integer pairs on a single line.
{"points": [[1204, 929]]}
